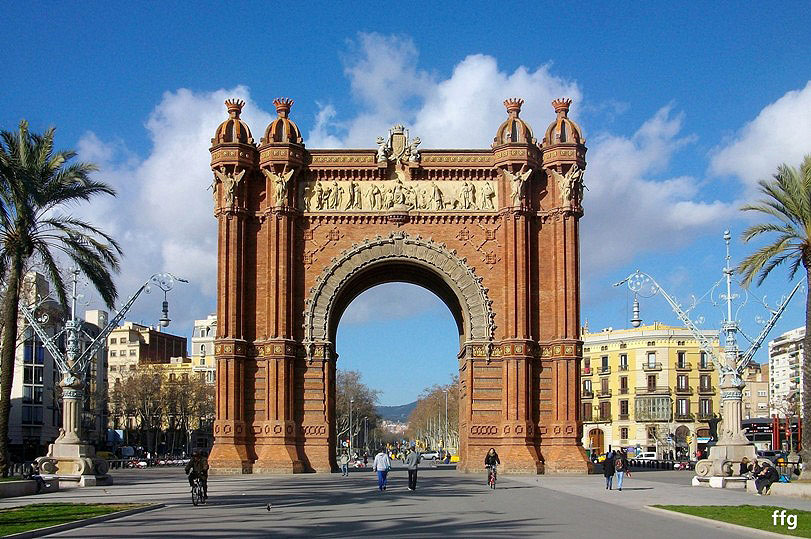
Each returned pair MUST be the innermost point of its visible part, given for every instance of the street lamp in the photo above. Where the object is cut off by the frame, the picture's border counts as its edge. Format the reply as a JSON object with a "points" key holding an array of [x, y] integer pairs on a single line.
{"points": [[351, 401], [70, 453], [732, 444]]}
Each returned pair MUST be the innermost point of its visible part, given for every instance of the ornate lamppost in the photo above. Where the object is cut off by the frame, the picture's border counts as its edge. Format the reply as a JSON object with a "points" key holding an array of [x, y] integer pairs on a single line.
{"points": [[732, 444], [70, 457]]}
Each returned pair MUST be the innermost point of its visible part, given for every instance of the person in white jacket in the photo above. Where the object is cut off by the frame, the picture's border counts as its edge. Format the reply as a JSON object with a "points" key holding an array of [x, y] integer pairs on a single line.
{"points": [[382, 465]]}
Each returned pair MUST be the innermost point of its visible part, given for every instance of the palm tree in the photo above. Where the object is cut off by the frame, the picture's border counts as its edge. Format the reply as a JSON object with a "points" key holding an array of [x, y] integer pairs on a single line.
{"points": [[787, 198], [36, 184]]}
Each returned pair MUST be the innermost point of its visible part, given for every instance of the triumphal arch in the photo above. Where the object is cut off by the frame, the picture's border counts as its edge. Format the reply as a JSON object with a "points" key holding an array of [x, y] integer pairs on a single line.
{"points": [[492, 232]]}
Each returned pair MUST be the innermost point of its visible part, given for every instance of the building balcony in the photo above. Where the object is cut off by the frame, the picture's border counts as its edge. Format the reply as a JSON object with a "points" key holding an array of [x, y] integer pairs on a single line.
{"points": [[648, 390], [604, 394], [705, 416], [624, 391], [605, 370], [686, 366], [685, 417], [706, 367], [587, 394], [623, 441], [624, 417], [687, 390], [623, 367], [586, 371], [706, 390], [652, 366], [603, 419]]}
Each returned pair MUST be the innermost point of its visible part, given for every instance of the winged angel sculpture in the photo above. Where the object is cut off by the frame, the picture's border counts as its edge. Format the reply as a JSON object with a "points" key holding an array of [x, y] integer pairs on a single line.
{"points": [[281, 183], [570, 185], [229, 182]]}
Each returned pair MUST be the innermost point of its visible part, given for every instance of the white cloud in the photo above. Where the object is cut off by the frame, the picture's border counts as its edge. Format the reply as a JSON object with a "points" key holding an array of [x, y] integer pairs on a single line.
{"points": [[628, 210], [163, 214], [463, 110], [391, 301], [779, 134]]}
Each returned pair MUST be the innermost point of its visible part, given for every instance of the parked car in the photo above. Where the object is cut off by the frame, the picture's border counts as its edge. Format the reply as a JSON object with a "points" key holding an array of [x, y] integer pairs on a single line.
{"points": [[647, 455], [775, 456], [430, 455]]}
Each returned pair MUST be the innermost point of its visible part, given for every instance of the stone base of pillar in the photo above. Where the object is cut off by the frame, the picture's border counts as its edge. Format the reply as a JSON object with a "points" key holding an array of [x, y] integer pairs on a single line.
{"points": [[228, 459], [318, 458], [74, 465], [515, 458], [724, 459], [277, 458], [565, 460]]}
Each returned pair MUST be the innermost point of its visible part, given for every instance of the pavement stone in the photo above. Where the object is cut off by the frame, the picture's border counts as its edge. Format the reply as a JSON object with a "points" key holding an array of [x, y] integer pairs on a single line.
{"points": [[446, 504]]}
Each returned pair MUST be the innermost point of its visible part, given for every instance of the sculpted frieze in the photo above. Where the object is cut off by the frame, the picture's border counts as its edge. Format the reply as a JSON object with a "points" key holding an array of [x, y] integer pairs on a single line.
{"points": [[370, 196]]}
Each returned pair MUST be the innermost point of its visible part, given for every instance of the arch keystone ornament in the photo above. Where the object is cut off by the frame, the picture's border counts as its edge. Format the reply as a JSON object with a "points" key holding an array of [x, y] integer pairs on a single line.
{"points": [[492, 232]]}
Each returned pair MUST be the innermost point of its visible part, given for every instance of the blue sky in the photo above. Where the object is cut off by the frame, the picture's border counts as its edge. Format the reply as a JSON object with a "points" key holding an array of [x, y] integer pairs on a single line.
{"points": [[684, 106]]}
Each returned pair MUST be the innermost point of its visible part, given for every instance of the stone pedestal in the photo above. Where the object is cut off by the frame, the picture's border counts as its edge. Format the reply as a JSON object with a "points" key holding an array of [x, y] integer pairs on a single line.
{"points": [[74, 465]]}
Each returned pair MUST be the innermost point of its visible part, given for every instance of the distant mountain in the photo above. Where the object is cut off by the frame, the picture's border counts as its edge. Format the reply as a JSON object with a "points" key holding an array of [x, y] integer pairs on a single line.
{"points": [[397, 413]]}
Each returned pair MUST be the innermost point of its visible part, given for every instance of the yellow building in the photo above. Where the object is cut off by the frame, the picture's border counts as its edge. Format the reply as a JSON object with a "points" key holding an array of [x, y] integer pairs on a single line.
{"points": [[134, 344], [650, 388]]}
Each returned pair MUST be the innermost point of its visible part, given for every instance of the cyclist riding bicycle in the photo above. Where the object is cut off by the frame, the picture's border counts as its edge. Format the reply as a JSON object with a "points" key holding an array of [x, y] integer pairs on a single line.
{"points": [[198, 467], [491, 462]]}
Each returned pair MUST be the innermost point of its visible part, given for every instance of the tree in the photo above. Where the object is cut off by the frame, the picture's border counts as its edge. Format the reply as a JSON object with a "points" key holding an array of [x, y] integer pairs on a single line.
{"points": [[428, 422], [350, 387], [36, 184], [786, 199]]}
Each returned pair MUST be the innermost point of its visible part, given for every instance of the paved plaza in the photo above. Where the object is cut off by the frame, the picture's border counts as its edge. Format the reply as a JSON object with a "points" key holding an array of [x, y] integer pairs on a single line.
{"points": [[446, 503]]}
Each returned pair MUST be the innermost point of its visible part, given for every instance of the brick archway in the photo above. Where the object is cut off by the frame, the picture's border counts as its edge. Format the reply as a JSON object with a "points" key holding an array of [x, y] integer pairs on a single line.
{"points": [[492, 232]]}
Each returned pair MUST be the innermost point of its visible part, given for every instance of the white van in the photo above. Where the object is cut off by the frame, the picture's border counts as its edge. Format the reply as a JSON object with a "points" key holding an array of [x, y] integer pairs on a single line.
{"points": [[649, 455]]}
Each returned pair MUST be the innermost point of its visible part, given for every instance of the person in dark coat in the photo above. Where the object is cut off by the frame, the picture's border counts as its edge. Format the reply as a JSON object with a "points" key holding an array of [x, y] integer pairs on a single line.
{"points": [[491, 462], [763, 481], [622, 468], [608, 467]]}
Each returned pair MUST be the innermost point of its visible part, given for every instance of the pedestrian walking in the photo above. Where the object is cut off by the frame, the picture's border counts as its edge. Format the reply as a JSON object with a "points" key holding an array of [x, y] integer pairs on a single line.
{"points": [[622, 468], [343, 460], [382, 465], [412, 462], [365, 459], [608, 467]]}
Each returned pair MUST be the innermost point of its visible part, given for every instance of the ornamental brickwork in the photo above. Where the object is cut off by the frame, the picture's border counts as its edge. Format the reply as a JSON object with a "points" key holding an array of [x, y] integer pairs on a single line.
{"points": [[494, 233]]}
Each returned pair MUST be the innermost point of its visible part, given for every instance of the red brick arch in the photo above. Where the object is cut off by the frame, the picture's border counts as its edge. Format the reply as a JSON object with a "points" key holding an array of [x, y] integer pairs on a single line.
{"points": [[494, 233]]}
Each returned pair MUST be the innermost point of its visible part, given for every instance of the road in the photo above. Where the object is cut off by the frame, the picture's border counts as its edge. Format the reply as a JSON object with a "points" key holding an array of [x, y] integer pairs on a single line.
{"points": [[446, 503]]}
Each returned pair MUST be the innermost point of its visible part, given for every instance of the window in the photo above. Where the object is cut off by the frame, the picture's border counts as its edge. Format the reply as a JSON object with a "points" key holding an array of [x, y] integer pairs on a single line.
{"points": [[586, 411], [702, 360], [681, 382], [587, 365], [113, 368], [132, 367], [113, 340], [761, 406], [172, 377], [747, 393], [705, 407], [681, 360], [202, 361], [651, 359], [761, 393], [133, 352], [203, 350], [623, 384], [605, 363], [604, 386], [651, 382], [624, 433], [112, 353], [623, 362], [651, 343], [682, 407], [705, 381], [624, 410], [651, 433], [586, 386], [123, 340], [605, 411]]}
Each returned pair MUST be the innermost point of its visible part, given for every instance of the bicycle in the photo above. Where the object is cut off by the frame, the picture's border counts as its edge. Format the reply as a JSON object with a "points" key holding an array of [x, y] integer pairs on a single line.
{"points": [[491, 476], [197, 494]]}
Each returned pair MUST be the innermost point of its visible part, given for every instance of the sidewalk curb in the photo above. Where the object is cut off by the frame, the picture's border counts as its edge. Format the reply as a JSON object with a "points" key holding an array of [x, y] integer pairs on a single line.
{"points": [[41, 532], [719, 523]]}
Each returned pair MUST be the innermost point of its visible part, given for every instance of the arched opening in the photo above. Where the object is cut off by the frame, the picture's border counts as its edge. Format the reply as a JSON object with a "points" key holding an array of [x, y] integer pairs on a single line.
{"points": [[397, 328], [596, 441], [682, 435]]}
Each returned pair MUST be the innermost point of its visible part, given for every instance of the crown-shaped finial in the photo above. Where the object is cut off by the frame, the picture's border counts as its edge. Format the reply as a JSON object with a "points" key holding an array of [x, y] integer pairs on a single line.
{"points": [[513, 105], [562, 105], [234, 107], [283, 105]]}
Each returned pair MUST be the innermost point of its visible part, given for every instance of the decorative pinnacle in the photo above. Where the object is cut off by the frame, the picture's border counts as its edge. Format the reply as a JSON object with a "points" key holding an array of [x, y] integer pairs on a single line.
{"points": [[562, 105], [234, 107], [513, 105], [283, 105]]}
